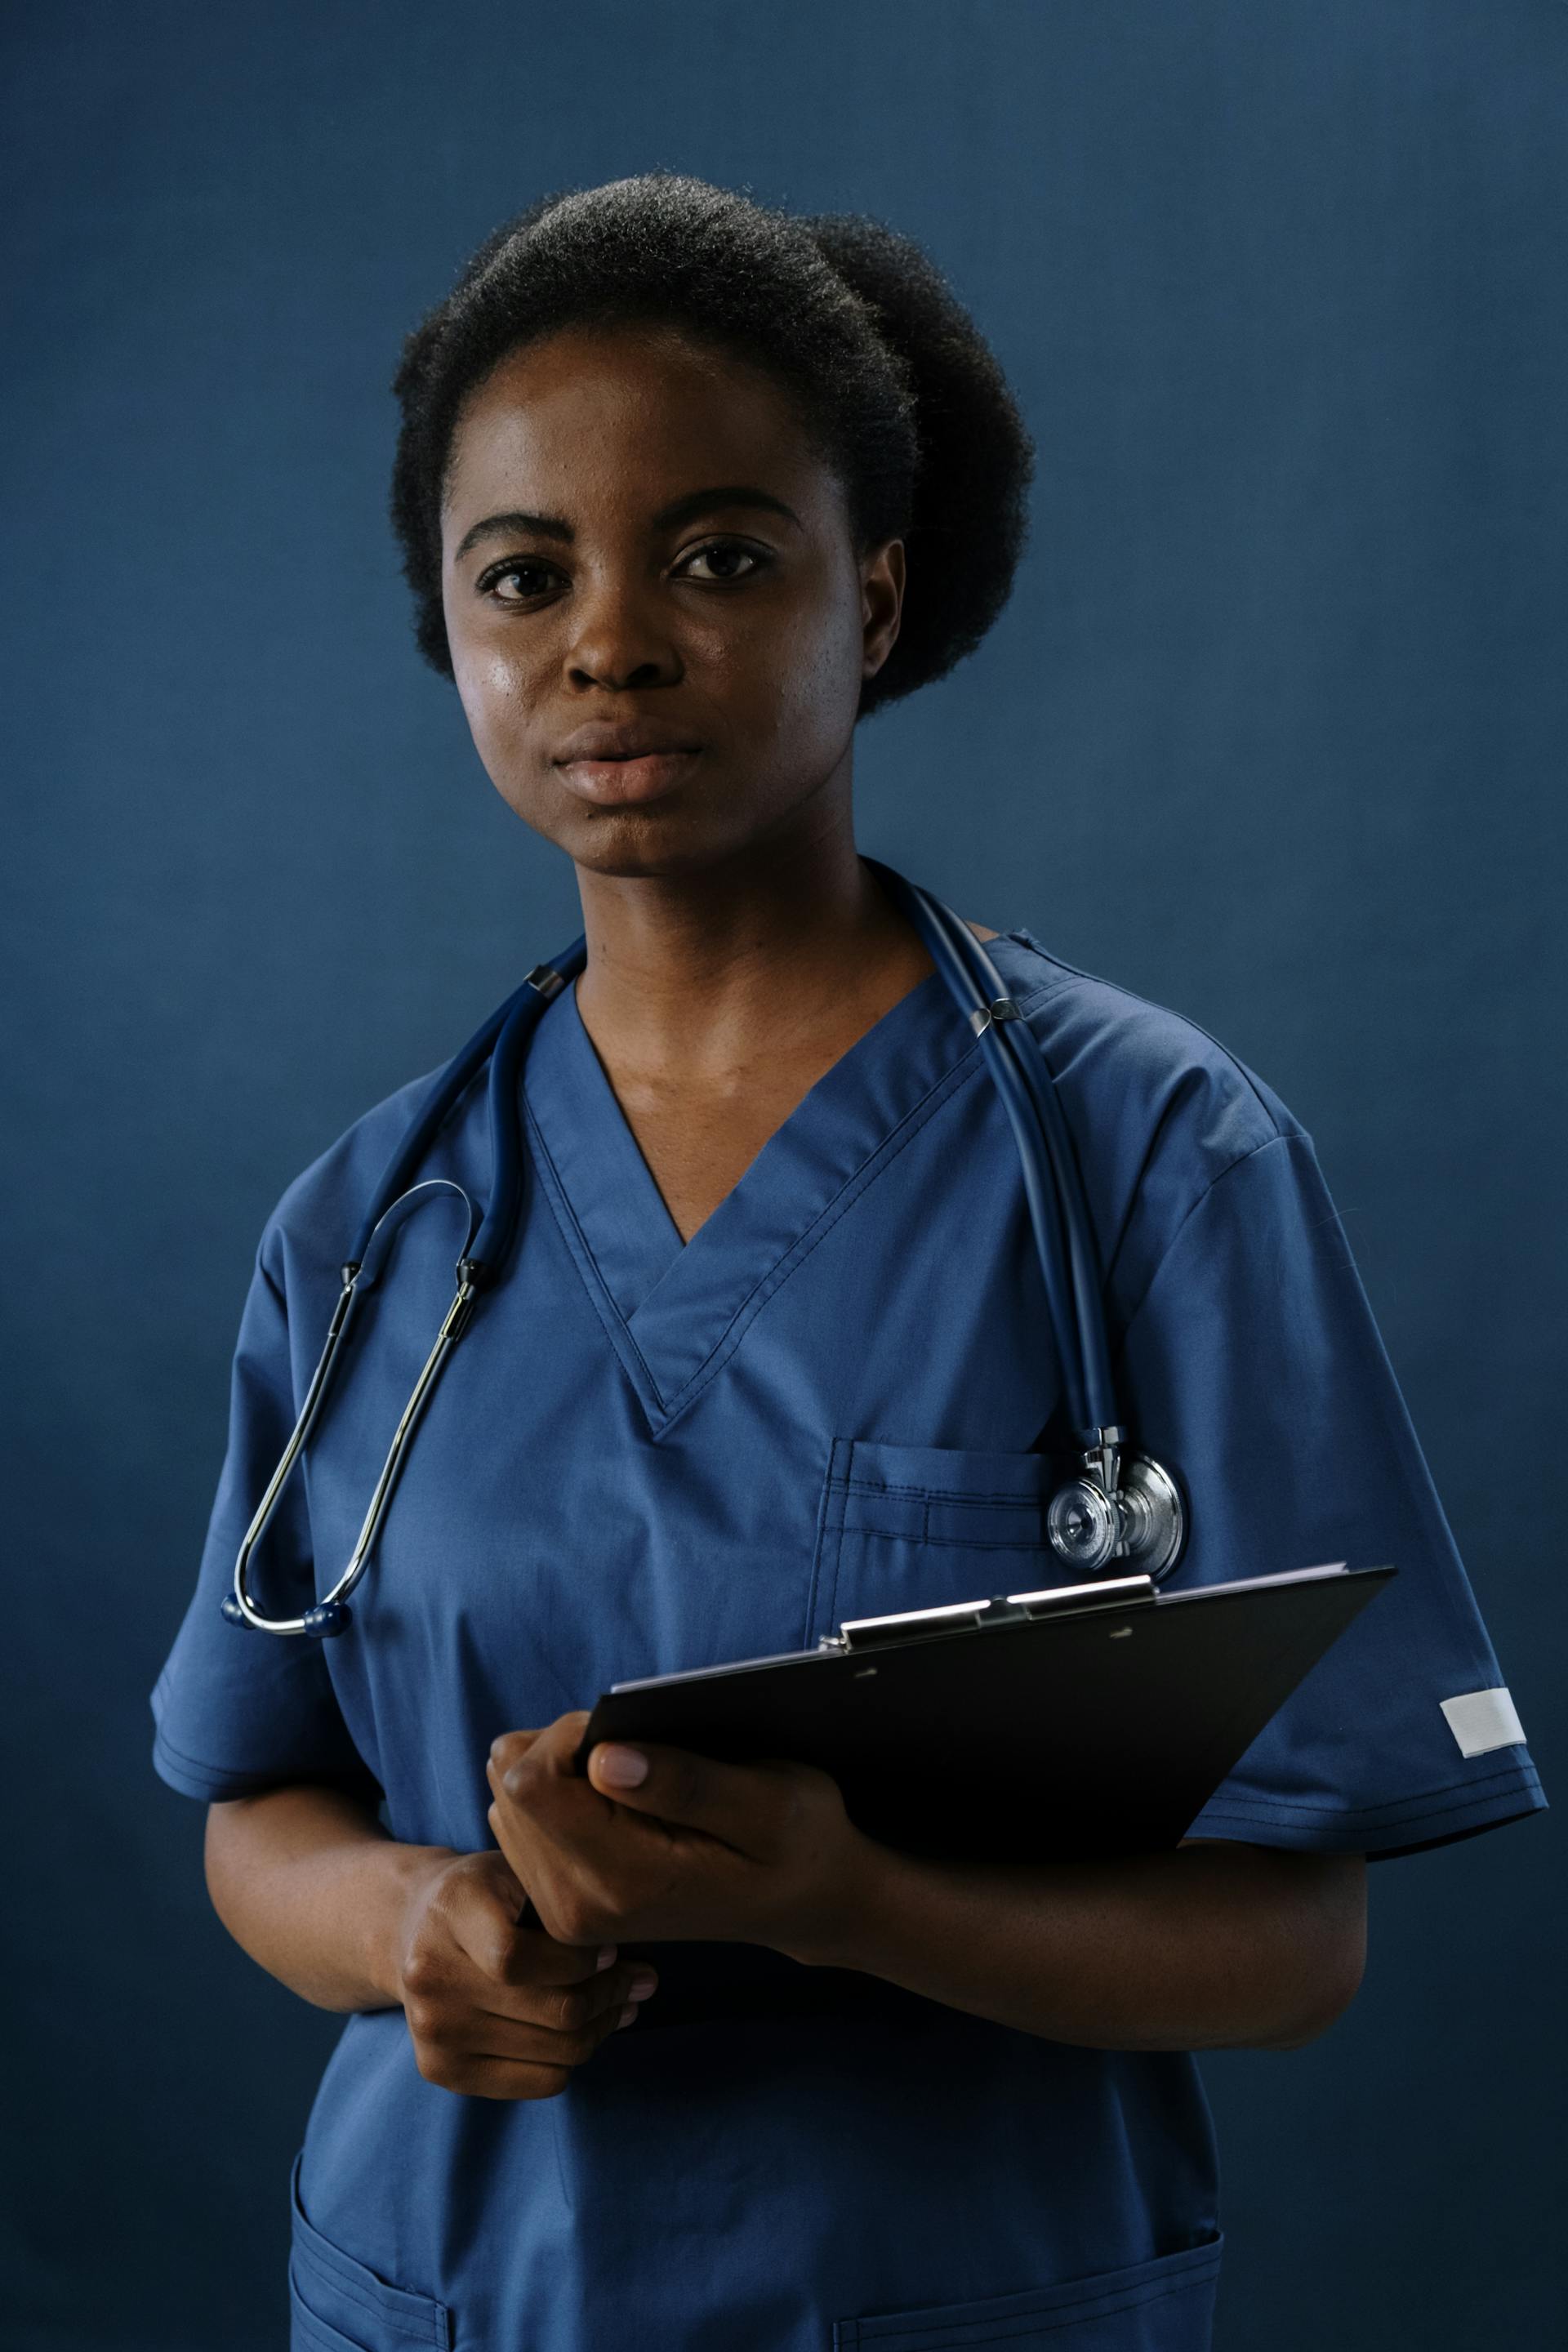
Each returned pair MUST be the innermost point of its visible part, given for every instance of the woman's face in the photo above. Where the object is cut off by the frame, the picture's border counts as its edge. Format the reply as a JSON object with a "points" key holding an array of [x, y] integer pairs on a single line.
{"points": [[638, 546]]}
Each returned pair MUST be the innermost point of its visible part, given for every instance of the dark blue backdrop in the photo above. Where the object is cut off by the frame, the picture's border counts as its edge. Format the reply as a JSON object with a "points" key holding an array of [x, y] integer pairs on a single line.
{"points": [[1271, 731]]}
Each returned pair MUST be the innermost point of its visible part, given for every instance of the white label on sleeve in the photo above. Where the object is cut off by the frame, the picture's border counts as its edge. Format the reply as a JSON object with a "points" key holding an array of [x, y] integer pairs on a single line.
{"points": [[1482, 1720]]}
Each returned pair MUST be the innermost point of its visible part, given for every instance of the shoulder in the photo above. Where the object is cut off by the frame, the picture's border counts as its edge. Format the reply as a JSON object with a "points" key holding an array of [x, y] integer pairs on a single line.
{"points": [[1161, 1062], [1160, 1110]]}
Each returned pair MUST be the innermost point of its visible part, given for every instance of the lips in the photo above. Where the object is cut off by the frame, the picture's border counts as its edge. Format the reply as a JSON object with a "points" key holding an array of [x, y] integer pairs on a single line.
{"points": [[628, 779], [634, 739]]}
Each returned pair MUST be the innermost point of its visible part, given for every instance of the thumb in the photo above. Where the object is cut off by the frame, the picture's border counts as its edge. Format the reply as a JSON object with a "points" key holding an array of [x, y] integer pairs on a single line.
{"points": [[501, 1905]]}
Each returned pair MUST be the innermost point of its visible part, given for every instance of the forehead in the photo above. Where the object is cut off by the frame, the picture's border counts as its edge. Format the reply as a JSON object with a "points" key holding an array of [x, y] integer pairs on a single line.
{"points": [[624, 417]]}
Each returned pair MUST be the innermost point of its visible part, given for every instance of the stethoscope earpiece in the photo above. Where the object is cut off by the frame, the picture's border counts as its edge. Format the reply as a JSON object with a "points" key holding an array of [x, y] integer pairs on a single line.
{"points": [[327, 1619]]}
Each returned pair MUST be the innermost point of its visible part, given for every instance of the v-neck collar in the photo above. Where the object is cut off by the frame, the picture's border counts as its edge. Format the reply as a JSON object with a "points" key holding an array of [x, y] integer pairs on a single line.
{"points": [[675, 1311]]}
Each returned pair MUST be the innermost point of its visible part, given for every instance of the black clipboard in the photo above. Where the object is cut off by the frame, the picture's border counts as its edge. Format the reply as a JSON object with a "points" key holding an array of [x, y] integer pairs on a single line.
{"points": [[1083, 1721]]}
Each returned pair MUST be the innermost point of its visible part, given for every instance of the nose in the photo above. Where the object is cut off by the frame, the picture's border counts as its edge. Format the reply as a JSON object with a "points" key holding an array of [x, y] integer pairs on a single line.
{"points": [[617, 641]]}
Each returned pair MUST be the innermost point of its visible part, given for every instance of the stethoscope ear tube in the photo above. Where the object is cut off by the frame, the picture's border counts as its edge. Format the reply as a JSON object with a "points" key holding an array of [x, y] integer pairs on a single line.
{"points": [[501, 1039], [330, 1616], [236, 1604], [545, 981]]}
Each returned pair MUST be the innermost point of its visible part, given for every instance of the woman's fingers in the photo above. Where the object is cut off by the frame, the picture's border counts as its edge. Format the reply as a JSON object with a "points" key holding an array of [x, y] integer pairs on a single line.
{"points": [[569, 2044], [574, 2007], [530, 1975], [482, 1909], [653, 1842], [527, 1955], [518, 1757], [732, 1803]]}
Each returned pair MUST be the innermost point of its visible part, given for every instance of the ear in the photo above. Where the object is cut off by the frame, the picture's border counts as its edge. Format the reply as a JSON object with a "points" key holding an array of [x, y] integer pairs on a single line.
{"points": [[881, 603]]}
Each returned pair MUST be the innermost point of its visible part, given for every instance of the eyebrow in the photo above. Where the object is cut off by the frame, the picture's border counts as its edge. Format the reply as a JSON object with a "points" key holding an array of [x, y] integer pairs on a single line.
{"points": [[679, 511]]}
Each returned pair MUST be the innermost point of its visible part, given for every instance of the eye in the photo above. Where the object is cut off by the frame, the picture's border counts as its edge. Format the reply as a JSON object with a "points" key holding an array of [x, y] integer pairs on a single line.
{"points": [[535, 578], [725, 551]]}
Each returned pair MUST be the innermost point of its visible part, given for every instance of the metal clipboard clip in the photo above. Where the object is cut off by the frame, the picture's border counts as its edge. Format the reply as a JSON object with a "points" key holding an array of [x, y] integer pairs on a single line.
{"points": [[1119, 1593]]}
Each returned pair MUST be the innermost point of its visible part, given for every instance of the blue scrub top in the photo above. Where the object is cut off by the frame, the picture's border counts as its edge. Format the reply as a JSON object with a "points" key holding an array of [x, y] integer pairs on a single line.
{"points": [[646, 1456]]}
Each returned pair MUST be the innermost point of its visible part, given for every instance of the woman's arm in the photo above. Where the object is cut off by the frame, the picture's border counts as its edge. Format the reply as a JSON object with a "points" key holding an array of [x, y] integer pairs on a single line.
{"points": [[308, 1882], [1212, 1946]]}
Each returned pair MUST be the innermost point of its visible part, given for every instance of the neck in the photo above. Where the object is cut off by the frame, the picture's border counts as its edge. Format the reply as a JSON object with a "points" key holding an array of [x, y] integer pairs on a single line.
{"points": [[694, 973]]}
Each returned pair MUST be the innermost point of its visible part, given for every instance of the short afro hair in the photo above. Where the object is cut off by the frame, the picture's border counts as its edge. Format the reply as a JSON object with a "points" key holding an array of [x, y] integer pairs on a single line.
{"points": [[897, 389]]}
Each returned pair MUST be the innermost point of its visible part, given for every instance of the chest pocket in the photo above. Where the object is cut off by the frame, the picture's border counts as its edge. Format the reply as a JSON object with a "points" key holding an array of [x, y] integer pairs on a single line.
{"points": [[912, 1527]]}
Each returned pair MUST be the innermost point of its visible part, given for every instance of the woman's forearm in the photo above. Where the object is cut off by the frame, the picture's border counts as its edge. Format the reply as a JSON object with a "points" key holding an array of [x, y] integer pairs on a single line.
{"points": [[1214, 1946], [308, 1882]]}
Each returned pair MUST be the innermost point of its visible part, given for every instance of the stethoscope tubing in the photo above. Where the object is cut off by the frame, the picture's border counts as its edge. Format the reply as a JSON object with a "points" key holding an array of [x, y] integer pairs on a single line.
{"points": [[1052, 1244], [501, 1041], [1017, 1038], [362, 1278], [1064, 1236], [1059, 1215]]}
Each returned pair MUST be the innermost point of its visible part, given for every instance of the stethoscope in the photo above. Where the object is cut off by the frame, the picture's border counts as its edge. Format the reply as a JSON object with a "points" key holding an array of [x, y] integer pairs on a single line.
{"points": [[1120, 1507]]}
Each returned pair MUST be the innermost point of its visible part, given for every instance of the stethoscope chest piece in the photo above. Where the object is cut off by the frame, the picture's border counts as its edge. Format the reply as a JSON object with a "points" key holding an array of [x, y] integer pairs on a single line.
{"points": [[1138, 1522]]}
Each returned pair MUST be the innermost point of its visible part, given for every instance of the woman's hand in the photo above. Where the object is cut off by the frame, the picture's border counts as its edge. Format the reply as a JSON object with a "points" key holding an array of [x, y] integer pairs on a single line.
{"points": [[497, 2011], [659, 1845], [1206, 1946]]}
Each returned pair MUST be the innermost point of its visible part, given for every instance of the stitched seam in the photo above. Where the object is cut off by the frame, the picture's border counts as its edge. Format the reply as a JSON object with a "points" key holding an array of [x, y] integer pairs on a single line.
{"points": [[165, 1746], [385, 2315], [915, 1120], [838, 1524], [1152, 1004], [1114, 988], [925, 1493], [200, 1763], [349, 2283], [1402, 1820], [1046, 2321], [1481, 1782], [854, 1189], [990, 1497], [194, 1779], [615, 1326], [948, 1543], [856, 1184], [1240, 1160], [823, 1502], [1395, 1821], [319, 2331]]}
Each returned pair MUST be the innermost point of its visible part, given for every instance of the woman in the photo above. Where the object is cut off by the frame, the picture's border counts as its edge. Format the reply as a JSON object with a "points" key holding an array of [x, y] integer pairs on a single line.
{"points": [[685, 487]]}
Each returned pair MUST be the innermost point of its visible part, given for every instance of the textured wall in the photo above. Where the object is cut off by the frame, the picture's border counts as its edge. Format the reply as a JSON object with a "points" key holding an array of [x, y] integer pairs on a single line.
{"points": [[1273, 731]]}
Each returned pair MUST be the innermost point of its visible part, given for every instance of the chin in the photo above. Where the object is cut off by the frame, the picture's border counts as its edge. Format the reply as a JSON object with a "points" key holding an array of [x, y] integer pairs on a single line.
{"points": [[631, 851], [676, 835]]}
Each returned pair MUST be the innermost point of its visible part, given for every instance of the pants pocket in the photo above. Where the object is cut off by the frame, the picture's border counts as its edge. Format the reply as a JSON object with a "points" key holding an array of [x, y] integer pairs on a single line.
{"points": [[339, 2305], [1164, 2305]]}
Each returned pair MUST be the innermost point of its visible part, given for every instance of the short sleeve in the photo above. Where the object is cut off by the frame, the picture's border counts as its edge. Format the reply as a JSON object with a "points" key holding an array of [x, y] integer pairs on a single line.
{"points": [[1254, 1368], [237, 1710]]}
